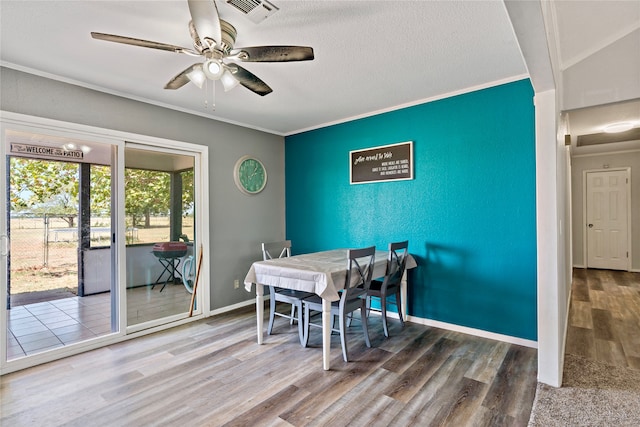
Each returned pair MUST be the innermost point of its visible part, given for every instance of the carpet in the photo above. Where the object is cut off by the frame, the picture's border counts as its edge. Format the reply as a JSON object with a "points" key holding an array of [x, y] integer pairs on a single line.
{"points": [[592, 394]]}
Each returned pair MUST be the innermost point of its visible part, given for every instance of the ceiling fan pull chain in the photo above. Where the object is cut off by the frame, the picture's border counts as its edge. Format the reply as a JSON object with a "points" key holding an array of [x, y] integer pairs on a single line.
{"points": [[213, 95], [210, 84], [206, 97]]}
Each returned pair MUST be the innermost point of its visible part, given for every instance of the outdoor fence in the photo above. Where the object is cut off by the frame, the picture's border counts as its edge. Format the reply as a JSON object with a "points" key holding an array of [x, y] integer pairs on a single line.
{"points": [[47, 241], [33, 245]]}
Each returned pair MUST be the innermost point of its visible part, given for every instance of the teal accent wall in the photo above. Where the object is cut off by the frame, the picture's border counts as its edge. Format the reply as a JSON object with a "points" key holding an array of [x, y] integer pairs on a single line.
{"points": [[469, 212]]}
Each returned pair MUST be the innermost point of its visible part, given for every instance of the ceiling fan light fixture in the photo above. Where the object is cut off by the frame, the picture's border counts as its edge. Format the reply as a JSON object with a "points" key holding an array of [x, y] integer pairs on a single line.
{"points": [[213, 69], [197, 76], [618, 127], [228, 81], [213, 41]]}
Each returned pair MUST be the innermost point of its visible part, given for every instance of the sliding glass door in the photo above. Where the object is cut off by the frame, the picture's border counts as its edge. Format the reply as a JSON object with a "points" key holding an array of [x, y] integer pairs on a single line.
{"points": [[99, 237], [59, 265], [162, 247]]}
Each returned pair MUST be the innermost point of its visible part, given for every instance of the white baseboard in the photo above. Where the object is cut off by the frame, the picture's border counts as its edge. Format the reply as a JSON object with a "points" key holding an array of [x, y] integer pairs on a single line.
{"points": [[420, 321], [233, 307], [632, 270], [472, 331]]}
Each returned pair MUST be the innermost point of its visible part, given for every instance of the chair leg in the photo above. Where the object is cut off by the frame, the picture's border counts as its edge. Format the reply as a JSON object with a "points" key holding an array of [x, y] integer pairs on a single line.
{"points": [[398, 304], [293, 314], [305, 335], [365, 325], [368, 305], [272, 310], [383, 307], [343, 336], [300, 320]]}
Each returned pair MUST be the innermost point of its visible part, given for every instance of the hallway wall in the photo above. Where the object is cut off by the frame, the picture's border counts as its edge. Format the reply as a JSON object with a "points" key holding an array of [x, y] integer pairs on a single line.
{"points": [[583, 163]]}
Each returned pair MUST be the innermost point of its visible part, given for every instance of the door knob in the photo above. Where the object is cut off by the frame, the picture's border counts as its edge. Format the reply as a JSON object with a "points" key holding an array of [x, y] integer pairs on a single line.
{"points": [[590, 225]]}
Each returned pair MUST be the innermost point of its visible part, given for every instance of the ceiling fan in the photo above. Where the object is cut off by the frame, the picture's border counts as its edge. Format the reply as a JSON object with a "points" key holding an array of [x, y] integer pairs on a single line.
{"points": [[213, 40]]}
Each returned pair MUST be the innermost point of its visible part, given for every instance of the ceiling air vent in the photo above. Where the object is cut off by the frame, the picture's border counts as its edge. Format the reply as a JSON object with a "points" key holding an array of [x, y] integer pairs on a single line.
{"points": [[256, 10]]}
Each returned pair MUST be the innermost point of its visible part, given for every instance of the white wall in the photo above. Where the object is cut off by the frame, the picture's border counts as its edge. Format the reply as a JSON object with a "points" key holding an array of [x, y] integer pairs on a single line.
{"points": [[608, 75], [602, 161], [551, 238], [552, 208]]}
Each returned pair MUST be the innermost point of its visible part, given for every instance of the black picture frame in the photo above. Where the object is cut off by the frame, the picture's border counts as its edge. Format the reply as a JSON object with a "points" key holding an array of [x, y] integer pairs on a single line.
{"points": [[392, 162]]}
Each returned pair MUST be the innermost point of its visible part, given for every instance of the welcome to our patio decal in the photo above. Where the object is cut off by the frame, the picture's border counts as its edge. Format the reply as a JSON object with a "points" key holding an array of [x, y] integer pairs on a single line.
{"points": [[46, 152], [392, 162]]}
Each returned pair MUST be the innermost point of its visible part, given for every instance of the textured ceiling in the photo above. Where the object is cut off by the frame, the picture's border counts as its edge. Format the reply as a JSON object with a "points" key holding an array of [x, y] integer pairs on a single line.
{"points": [[370, 56]]}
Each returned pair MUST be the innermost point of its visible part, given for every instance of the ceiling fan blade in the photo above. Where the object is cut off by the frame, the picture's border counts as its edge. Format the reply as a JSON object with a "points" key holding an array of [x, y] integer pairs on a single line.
{"points": [[273, 53], [204, 14], [249, 80], [142, 43], [181, 79]]}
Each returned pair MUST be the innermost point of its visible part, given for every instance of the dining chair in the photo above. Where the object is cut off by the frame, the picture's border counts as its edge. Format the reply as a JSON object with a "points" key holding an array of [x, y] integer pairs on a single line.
{"points": [[391, 282], [289, 296], [353, 297]]}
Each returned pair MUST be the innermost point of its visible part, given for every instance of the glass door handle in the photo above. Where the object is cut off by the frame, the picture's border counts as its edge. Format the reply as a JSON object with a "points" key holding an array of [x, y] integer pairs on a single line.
{"points": [[4, 245]]}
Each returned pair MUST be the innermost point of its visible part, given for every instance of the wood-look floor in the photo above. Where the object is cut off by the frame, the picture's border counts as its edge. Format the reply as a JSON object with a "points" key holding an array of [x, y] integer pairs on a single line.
{"points": [[212, 373], [604, 318]]}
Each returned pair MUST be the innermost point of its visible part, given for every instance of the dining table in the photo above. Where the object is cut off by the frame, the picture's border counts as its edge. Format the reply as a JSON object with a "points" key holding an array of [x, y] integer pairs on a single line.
{"points": [[323, 273]]}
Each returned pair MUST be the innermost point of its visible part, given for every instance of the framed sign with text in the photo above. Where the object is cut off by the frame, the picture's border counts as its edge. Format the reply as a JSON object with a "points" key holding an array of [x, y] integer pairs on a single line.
{"points": [[392, 162]]}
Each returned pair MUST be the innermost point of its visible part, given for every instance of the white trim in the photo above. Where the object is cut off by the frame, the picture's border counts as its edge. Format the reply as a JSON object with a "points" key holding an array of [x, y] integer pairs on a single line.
{"points": [[563, 344], [414, 103], [120, 273], [606, 153], [472, 331], [63, 129], [5, 248], [550, 15], [585, 242], [228, 308], [631, 270], [549, 283], [201, 198], [568, 217]]}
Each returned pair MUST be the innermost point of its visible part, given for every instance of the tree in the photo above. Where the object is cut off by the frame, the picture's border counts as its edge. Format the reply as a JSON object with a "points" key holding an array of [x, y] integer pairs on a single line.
{"points": [[146, 193], [33, 189], [187, 192], [100, 190], [52, 188]]}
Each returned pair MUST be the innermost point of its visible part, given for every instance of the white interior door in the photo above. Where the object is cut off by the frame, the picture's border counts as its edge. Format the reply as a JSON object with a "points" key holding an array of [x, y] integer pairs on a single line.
{"points": [[607, 215]]}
